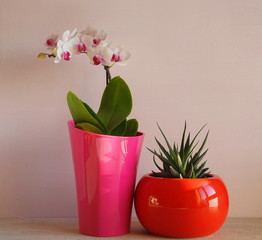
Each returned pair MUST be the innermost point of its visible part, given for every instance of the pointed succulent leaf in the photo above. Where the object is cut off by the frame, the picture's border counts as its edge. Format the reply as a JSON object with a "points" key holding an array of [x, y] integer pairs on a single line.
{"points": [[166, 167], [180, 165], [160, 169], [166, 153], [182, 147], [116, 103], [191, 151], [174, 172], [180, 162], [197, 135], [199, 169], [131, 127], [161, 157], [194, 174], [172, 163], [202, 146], [190, 172], [187, 145], [155, 174], [202, 173], [173, 154], [175, 148], [196, 160]]}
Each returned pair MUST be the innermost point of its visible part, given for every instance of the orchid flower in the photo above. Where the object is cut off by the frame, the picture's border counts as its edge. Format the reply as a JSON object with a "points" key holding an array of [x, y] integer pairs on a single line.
{"points": [[91, 42], [51, 41], [90, 31], [67, 46], [100, 38], [101, 55], [85, 44], [120, 55]]}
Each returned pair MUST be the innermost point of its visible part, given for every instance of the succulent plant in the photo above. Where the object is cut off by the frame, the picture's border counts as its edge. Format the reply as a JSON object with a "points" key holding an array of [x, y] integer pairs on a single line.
{"points": [[183, 161]]}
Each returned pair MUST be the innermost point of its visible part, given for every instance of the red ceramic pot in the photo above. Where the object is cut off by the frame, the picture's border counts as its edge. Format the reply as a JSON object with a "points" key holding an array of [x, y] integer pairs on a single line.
{"points": [[181, 208]]}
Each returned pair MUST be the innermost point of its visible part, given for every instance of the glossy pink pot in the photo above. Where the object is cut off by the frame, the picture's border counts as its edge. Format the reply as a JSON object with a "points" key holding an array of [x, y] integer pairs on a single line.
{"points": [[105, 172]]}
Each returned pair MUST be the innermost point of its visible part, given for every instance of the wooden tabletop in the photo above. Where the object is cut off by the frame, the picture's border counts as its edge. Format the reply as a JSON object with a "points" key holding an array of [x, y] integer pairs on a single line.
{"points": [[67, 229]]}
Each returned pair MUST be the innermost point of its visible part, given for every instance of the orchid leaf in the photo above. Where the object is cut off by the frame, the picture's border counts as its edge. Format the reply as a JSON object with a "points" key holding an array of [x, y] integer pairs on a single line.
{"points": [[90, 110], [131, 127], [89, 127], [120, 129], [116, 103], [80, 113]]}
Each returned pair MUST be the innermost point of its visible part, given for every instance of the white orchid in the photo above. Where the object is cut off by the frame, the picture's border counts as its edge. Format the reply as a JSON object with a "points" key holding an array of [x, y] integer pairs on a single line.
{"points": [[120, 55], [90, 31], [97, 37], [51, 41], [101, 55], [85, 44], [67, 46], [100, 38], [89, 41]]}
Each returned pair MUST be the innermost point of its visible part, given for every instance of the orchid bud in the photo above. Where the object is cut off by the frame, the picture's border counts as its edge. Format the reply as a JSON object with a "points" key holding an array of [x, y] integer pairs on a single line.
{"points": [[41, 56]]}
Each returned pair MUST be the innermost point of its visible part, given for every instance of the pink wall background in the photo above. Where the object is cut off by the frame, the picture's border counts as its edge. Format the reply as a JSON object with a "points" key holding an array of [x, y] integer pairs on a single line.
{"points": [[199, 61]]}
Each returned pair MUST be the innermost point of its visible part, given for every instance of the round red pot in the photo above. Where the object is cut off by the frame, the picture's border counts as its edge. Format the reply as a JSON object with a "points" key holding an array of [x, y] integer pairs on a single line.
{"points": [[181, 208]]}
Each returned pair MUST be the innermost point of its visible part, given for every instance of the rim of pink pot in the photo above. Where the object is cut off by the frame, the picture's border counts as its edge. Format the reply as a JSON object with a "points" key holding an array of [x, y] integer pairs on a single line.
{"points": [[72, 124], [210, 176]]}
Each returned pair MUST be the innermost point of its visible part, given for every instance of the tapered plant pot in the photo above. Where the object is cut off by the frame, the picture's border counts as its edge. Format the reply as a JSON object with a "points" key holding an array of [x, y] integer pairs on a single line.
{"points": [[105, 173], [181, 208]]}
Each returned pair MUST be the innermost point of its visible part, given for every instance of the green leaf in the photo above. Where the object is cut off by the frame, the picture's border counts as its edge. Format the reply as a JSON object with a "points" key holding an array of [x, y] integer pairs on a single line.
{"points": [[182, 147], [196, 135], [166, 153], [79, 112], [174, 172], [180, 165], [162, 158], [194, 174], [155, 174], [199, 169], [196, 160], [190, 151], [202, 173], [132, 127], [116, 103], [172, 153], [190, 172], [89, 127], [120, 129], [202, 146], [90, 110], [187, 145], [159, 168]]}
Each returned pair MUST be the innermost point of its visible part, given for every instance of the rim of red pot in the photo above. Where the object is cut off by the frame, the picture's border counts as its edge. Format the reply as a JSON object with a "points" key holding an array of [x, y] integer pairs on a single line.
{"points": [[210, 176], [71, 123]]}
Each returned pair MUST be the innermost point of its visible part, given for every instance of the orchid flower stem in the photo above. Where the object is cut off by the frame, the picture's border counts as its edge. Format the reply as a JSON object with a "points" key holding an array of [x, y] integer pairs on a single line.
{"points": [[108, 75], [51, 55]]}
